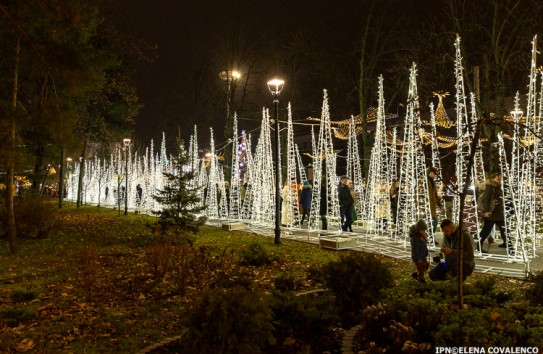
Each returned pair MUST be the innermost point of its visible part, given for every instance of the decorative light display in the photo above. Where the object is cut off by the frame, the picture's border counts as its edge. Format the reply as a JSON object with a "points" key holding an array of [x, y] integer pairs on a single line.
{"points": [[463, 145], [324, 146], [479, 163], [441, 118], [413, 198], [235, 180], [393, 167], [252, 194], [292, 209], [510, 205], [213, 181], [377, 202], [247, 182], [354, 169], [436, 160], [301, 168]]}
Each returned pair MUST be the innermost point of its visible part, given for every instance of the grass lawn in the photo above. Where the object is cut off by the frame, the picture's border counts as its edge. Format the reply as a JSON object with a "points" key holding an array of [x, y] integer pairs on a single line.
{"points": [[129, 308]]}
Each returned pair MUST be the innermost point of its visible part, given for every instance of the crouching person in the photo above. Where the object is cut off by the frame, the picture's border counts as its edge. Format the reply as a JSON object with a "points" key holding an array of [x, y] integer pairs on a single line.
{"points": [[451, 249], [419, 249]]}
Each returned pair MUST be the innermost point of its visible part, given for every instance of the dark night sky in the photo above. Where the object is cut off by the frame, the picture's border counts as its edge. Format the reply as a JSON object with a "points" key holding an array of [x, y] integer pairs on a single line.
{"points": [[187, 33]]}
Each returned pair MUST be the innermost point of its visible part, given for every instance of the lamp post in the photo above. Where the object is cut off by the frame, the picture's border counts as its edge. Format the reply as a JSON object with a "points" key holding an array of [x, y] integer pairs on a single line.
{"points": [[126, 142], [275, 86]]}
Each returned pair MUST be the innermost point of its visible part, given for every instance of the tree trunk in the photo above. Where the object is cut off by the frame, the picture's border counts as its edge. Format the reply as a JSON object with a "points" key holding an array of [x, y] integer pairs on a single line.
{"points": [[364, 92], [81, 173], [10, 183], [37, 178], [61, 179]]}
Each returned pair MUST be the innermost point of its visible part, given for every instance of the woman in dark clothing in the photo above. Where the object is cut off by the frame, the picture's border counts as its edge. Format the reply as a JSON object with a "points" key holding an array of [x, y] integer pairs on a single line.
{"points": [[305, 201], [419, 249]]}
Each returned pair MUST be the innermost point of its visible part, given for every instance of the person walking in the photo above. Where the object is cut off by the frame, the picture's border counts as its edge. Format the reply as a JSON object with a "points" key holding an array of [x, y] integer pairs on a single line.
{"points": [[451, 250], [491, 207], [435, 201], [139, 194], [323, 209], [450, 192], [305, 200], [419, 249], [346, 202], [394, 193], [354, 217]]}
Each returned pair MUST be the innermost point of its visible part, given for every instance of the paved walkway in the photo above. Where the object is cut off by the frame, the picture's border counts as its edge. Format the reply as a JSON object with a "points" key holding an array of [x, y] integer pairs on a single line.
{"points": [[496, 261]]}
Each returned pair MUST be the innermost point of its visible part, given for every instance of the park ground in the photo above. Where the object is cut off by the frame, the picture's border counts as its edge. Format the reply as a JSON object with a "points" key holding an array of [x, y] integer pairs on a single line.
{"points": [[95, 284]]}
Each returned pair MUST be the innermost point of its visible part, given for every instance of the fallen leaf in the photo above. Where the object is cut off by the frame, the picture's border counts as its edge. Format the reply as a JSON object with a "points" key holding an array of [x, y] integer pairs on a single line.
{"points": [[25, 345]]}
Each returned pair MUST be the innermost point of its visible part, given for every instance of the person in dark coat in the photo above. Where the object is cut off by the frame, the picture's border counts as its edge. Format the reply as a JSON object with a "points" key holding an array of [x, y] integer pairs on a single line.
{"points": [[394, 192], [419, 249], [491, 207], [305, 200], [346, 202], [323, 212], [451, 250], [139, 194]]}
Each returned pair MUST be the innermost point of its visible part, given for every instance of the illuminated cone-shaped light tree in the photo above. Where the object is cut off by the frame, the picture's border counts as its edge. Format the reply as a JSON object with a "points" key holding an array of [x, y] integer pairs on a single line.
{"points": [[323, 152], [393, 165], [463, 148], [235, 181], [291, 200], [213, 181], [262, 192], [248, 181], [479, 163], [301, 167], [436, 160], [221, 188], [354, 168], [510, 202], [378, 197], [538, 143], [318, 179], [413, 198], [325, 134]]}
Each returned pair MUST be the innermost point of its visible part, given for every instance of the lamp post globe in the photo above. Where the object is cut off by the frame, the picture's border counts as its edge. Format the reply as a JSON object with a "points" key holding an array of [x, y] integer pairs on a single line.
{"points": [[276, 86]]}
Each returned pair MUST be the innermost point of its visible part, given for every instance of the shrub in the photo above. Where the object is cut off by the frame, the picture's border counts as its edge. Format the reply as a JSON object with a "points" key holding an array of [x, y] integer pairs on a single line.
{"points": [[285, 282], [235, 320], [255, 254], [158, 258], [14, 315], [468, 327], [303, 322], [356, 280], [535, 292], [35, 216], [23, 295], [87, 260], [239, 278]]}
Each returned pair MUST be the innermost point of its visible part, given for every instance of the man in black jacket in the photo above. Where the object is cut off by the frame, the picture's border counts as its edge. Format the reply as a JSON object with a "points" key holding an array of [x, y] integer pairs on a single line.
{"points": [[346, 202]]}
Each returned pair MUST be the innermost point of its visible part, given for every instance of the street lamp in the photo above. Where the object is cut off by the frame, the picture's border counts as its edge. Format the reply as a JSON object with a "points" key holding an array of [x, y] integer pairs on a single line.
{"points": [[126, 142], [275, 86]]}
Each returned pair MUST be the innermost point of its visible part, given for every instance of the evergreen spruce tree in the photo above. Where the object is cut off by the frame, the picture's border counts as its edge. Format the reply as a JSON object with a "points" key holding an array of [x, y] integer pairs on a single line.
{"points": [[181, 201]]}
